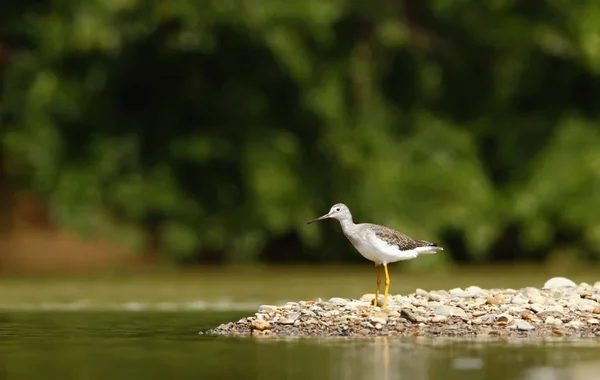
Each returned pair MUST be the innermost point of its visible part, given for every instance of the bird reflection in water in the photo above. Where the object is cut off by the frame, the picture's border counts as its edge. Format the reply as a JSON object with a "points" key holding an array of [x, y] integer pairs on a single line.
{"points": [[381, 358]]}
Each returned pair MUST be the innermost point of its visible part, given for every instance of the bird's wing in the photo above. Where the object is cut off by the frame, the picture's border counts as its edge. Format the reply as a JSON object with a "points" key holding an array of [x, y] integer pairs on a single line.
{"points": [[398, 239]]}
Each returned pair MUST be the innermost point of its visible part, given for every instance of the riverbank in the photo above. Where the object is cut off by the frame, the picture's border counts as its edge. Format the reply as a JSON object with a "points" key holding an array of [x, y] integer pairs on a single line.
{"points": [[560, 308]]}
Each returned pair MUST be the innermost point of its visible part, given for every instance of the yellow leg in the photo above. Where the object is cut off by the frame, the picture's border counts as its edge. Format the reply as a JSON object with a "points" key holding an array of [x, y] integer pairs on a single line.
{"points": [[387, 285], [378, 285]]}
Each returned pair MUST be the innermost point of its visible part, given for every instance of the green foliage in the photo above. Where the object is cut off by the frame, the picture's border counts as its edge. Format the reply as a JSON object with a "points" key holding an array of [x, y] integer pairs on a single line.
{"points": [[222, 126]]}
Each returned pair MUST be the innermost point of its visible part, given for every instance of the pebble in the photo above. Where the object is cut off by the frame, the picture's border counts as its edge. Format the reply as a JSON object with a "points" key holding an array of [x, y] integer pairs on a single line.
{"points": [[465, 295], [515, 310], [552, 321], [267, 308], [419, 302], [260, 324], [495, 300], [434, 297], [538, 299], [560, 308], [408, 315], [559, 282], [475, 289], [489, 319], [420, 319], [537, 308], [528, 315], [586, 305], [517, 300], [378, 319], [339, 301], [530, 292], [574, 324], [521, 325], [556, 311], [450, 311], [367, 297]]}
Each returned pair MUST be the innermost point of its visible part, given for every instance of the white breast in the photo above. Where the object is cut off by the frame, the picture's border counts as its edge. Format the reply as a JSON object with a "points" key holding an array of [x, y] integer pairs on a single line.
{"points": [[368, 252]]}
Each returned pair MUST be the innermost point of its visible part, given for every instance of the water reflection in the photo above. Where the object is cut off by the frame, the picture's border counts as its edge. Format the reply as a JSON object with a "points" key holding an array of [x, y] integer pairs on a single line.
{"points": [[393, 359], [379, 359], [576, 371]]}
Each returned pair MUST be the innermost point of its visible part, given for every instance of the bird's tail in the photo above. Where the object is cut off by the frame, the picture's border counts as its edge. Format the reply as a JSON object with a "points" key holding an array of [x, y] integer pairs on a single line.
{"points": [[429, 250]]}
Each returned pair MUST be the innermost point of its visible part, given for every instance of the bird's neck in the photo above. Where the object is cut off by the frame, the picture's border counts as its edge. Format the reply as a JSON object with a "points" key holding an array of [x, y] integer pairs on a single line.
{"points": [[346, 223]]}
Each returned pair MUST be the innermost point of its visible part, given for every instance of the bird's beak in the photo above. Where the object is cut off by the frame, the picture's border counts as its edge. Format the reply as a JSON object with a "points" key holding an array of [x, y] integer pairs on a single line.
{"points": [[319, 218]]}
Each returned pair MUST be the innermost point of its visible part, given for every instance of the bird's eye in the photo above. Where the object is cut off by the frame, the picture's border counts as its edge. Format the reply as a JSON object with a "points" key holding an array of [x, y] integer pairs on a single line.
{"points": [[337, 209]]}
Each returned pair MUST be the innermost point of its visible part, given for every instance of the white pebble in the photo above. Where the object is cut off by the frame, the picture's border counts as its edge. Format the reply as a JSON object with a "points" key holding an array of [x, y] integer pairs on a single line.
{"points": [[517, 300], [286, 321], [536, 308], [434, 297], [552, 321], [585, 305], [337, 301], [450, 311], [559, 282], [575, 324], [456, 290], [419, 302], [474, 289], [521, 325], [539, 299], [377, 320]]}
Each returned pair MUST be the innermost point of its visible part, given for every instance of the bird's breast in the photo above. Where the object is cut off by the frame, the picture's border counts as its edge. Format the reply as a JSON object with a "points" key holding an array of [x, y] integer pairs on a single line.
{"points": [[365, 249]]}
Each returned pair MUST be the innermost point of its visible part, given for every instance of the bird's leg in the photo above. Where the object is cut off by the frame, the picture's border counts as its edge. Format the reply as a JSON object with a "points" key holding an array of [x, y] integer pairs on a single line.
{"points": [[378, 284], [387, 285]]}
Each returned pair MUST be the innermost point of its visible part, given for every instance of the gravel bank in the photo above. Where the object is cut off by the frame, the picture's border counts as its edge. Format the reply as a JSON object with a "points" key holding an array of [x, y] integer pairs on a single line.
{"points": [[560, 308]]}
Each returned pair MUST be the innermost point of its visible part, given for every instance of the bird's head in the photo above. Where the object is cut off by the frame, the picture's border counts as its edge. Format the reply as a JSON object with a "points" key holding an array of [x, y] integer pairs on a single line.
{"points": [[338, 211]]}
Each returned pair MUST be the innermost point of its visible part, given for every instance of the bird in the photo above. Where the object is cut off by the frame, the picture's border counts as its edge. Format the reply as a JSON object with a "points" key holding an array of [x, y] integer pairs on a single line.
{"points": [[380, 244]]}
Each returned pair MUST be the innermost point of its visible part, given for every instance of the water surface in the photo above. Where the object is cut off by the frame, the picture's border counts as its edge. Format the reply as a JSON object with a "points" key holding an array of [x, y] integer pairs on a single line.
{"points": [[158, 345], [130, 326], [244, 288]]}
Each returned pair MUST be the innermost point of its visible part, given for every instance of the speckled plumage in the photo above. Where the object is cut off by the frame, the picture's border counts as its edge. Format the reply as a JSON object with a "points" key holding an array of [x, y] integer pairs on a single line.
{"points": [[398, 239]]}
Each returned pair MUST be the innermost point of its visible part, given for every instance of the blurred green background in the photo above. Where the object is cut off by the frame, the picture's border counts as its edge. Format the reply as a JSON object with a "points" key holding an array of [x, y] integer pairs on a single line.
{"points": [[185, 138], [195, 132]]}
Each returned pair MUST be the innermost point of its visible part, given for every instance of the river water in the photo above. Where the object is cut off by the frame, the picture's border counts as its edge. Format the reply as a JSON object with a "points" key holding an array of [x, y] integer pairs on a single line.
{"points": [[160, 345], [141, 326]]}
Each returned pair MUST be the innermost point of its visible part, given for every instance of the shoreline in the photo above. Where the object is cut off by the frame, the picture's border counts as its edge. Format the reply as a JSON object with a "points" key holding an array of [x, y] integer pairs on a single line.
{"points": [[558, 309]]}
